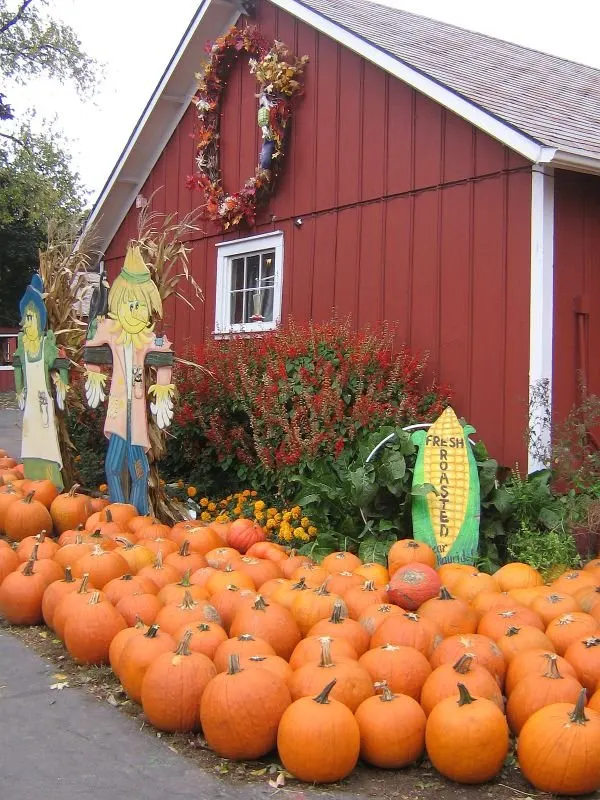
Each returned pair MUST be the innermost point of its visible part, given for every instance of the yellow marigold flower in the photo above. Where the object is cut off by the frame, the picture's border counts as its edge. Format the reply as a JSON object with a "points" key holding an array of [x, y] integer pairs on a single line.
{"points": [[305, 522], [212, 507], [222, 518], [204, 502], [286, 535], [312, 531], [192, 492], [298, 531], [287, 515], [205, 516], [222, 503], [246, 493], [296, 512], [302, 535], [237, 510], [102, 488], [271, 524], [259, 516], [271, 512], [260, 505], [229, 497], [277, 518]]}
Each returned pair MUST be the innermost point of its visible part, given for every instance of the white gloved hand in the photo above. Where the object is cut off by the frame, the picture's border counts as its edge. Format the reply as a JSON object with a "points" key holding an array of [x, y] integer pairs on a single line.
{"points": [[61, 390], [162, 405], [21, 397], [94, 388]]}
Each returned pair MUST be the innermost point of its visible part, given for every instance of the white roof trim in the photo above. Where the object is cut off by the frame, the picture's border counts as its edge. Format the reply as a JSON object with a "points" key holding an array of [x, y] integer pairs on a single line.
{"points": [[517, 141]]}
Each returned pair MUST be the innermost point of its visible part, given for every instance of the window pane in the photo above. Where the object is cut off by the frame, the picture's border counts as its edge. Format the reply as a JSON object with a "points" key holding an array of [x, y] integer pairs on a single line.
{"points": [[237, 307], [252, 271], [237, 273], [268, 304], [267, 275]]}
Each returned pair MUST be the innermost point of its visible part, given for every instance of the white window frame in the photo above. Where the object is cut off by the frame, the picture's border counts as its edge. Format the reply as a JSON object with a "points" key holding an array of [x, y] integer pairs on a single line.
{"points": [[226, 252]]}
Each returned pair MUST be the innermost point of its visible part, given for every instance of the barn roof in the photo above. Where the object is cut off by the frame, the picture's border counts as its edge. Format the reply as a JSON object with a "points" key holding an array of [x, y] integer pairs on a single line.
{"points": [[543, 107], [552, 100]]}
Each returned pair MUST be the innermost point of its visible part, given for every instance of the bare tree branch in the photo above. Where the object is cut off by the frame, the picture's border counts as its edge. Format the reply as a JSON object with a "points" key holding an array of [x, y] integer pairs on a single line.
{"points": [[14, 139], [9, 23]]}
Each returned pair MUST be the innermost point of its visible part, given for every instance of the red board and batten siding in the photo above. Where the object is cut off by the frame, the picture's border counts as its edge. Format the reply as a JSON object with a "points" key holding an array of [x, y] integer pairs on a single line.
{"points": [[576, 288], [409, 214]]}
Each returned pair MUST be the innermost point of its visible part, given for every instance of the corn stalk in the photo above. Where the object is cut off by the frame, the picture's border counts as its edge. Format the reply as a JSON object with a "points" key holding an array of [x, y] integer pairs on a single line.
{"points": [[161, 242], [65, 259]]}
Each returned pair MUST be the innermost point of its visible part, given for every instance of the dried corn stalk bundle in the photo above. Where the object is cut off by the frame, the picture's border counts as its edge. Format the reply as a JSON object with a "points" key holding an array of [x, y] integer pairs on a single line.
{"points": [[446, 507]]}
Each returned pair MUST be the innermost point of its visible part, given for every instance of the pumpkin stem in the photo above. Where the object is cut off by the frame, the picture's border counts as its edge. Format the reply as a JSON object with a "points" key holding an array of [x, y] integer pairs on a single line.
{"points": [[184, 550], [188, 601], [554, 598], [151, 632], [257, 658], [78, 539], [464, 696], [412, 616], [593, 641], [28, 568], [513, 630], [127, 577], [231, 587], [73, 490], [98, 550], [326, 652], [158, 561], [185, 581], [233, 664], [260, 604], [578, 714], [127, 544], [34, 552], [204, 626], [28, 498], [84, 583], [298, 587], [245, 637], [463, 665], [108, 515], [68, 575], [338, 614], [183, 648], [139, 622], [94, 599], [552, 666], [386, 693], [323, 698], [228, 568], [445, 594], [368, 586], [41, 537], [322, 590]]}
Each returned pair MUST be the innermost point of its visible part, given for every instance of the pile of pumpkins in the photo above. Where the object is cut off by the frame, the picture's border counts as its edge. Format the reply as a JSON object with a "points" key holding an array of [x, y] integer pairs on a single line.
{"points": [[214, 628]]}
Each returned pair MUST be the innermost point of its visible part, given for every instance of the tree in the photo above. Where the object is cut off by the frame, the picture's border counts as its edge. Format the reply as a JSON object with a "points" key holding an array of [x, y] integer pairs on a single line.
{"points": [[37, 182]]}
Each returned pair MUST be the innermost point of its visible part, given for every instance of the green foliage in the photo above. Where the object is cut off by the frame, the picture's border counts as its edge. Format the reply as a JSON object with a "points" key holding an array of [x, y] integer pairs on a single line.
{"points": [[543, 549]]}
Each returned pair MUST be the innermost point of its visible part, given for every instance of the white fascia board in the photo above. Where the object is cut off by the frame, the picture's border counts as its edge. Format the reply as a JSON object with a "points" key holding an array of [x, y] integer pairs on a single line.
{"points": [[541, 321], [519, 142], [575, 160], [157, 123]]}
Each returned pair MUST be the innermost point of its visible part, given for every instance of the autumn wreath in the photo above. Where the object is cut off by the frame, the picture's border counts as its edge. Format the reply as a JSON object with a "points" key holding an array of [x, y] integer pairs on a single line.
{"points": [[278, 74]]}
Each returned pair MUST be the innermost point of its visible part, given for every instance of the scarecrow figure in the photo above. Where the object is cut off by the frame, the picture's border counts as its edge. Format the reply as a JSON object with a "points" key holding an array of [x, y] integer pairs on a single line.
{"points": [[265, 104], [126, 339], [37, 366]]}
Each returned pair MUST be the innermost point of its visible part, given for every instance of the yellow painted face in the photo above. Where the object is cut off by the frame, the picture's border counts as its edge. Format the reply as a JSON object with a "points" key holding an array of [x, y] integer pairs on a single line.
{"points": [[31, 324], [133, 314]]}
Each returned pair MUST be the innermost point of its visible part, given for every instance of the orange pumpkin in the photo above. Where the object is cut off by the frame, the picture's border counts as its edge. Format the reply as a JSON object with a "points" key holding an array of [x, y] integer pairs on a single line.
{"points": [[136, 555], [244, 645], [188, 611], [143, 606], [495, 623], [471, 584], [46, 547], [520, 638], [222, 557], [533, 662], [340, 626], [309, 650], [175, 592], [184, 560], [372, 617], [486, 651], [312, 574], [271, 622], [260, 570], [275, 664], [584, 657], [310, 607], [341, 582], [7, 498], [410, 630], [21, 594], [341, 561], [26, 517], [359, 598], [409, 551], [517, 576], [9, 562], [125, 586], [376, 573], [69, 554], [88, 634], [138, 654], [201, 539], [55, 592], [101, 565], [243, 533], [571, 581], [403, 669], [205, 637], [552, 604], [444, 680], [43, 490], [566, 629], [451, 614], [69, 510], [160, 573]]}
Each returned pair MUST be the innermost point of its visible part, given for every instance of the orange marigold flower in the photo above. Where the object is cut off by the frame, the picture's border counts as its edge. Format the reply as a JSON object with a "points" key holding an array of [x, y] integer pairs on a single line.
{"points": [[192, 491]]}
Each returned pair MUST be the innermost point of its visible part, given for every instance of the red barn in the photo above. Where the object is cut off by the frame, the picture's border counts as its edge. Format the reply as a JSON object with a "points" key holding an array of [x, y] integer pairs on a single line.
{"points": [[434, 176]]}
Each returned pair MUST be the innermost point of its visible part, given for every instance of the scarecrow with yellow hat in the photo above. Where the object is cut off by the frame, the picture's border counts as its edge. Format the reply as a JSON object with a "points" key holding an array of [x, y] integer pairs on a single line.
{"points": [[126, 337]]}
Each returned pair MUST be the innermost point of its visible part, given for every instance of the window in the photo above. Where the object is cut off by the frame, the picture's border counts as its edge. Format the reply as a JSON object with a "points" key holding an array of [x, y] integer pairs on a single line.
{"points": [[249, 283]]}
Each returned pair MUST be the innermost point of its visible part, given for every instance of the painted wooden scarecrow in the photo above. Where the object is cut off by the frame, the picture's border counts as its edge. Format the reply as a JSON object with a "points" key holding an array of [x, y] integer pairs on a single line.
{"points": [[38, 366], [125, 339]]}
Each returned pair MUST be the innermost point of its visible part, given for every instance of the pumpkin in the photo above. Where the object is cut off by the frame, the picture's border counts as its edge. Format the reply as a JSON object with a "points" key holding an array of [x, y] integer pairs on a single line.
{"points": [[243, 533], [469, 586], [353, 685], [595, 702], [517, 576], [533, 662], [120, 640], [374, 572], [444, 680], [97, 503], [101, 565], [270, 550], [310, 607], [55, 592], [160, 573], [7, 498], [173, 686], [72, 536], [309, 651], [175, 592], [286, 594], [520, 638], [566, 629], [46, 548], [222, 557], [244, 645], [294, 562], [6, 462], [588, 597], [201, 539], [571, 581], [403, 669], [495, 623], [135, 524], [409, 551], [69, 510], [69, 554], [88, 634], [160, 545], [136, 555], [260, 570], [43, 490], [340, 626], [306, 731], [486, 651], [268, 589], [9, 562], [275, 664], [138, 654], [70, 604], [221, 579], [451, 614], [341, 561], [550, 605], [536, 691], [144, 606], [412, 585], [221, 529], [120, 513], [184, 560], [525, 597], [492, 600], [126, 585], [340, 582], [372, 617], [97, 538], [109, 528], [201, 576], [392, 729], [268, 621], [206, 637], [467, 738], [410, 630], [46, 566], [584, 657], [558, 749], [359, 598], [173, 616], [21, 594], [241, 709], [227, 601], [26, 517], [451, 574], [312, 574]]}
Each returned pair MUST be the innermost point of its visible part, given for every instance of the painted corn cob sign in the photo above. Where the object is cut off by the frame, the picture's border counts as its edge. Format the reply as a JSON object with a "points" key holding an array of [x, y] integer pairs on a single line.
{"points": [[447, 516]]}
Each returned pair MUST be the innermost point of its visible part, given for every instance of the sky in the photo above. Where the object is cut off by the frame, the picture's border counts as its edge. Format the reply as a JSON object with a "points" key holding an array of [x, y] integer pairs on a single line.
{"points": [[134, 40]]}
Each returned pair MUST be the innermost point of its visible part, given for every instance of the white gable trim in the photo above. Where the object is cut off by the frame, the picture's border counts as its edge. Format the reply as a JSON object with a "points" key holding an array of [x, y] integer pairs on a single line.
{"points": [[541, 322], [519, 142]]}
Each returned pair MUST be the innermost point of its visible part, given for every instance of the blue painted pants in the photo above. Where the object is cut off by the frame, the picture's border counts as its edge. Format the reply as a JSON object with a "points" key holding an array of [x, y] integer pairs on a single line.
{"points": [[118, 450]]}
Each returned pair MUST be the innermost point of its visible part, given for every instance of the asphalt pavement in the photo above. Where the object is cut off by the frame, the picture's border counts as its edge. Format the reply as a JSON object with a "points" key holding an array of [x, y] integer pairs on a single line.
{"points": [[10, 431]]}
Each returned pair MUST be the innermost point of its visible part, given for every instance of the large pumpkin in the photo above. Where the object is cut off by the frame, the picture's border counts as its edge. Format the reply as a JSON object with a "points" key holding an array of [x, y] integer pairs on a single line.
{"points": [[310, 607], [101, 565], [144, 606], [551, 604], [517, 576], [21, 594], [412, 585], [69, 510], [43, 490], [205, 637], [341, 561], [244, 645], [467, 738], [55, 592], [584, 657], [410, 630], [568, 628], [138, 654], [409, 551], [271, 622], [26, 517], [187, 612], [309, 651], [243, 533], [392, 730], [559, 749], [451, 614], [403, 669], [7, 498], [486, 651], [340, 626], [444, 680], [306, 732], [533, 662], [88, 633], [241, 709], [9, 562]]}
